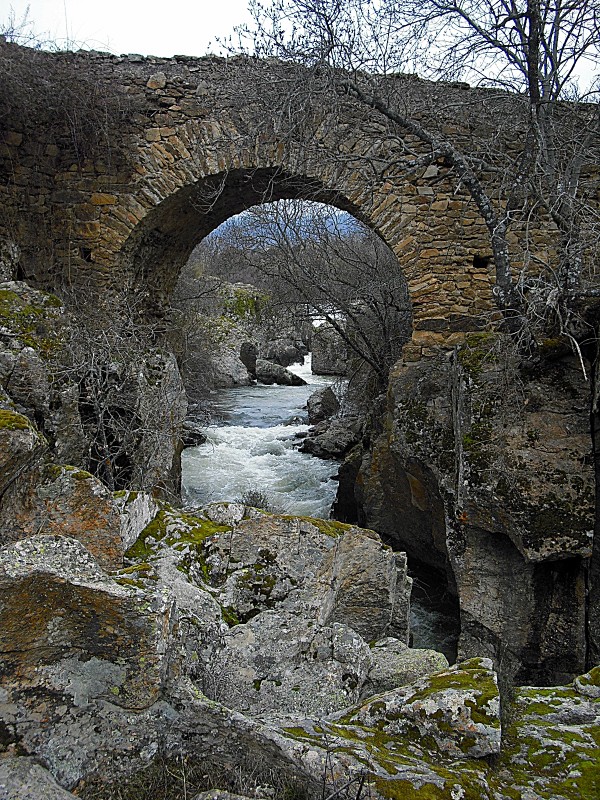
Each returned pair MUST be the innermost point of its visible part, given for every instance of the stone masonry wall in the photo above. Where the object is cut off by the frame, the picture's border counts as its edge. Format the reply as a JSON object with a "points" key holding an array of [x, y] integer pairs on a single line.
{"points": [[139, 158]]}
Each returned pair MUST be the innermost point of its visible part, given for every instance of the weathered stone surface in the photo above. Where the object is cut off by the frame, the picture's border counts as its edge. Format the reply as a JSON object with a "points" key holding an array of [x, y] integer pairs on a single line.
{"points": [[23, 778], [248, 356], [491, 484], [136, 511], [551, 743], [313, 564], [92, 678], [68, 502], [321, 405], [21, 447], [268, 372], [284, 352], [396, 664], [228, 370], [87, 627], [333, 438], [589, 684], [370, 589], [311, 592], [284, 663], [329, 356], [458, 708]]}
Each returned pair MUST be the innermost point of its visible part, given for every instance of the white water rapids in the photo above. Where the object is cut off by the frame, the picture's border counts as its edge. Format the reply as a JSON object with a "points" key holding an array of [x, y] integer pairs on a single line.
{"points": [[254, 448]]}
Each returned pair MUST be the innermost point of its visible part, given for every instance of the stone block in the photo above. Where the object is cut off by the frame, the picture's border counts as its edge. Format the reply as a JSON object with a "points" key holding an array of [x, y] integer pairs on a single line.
{"points": [[157, 81]]}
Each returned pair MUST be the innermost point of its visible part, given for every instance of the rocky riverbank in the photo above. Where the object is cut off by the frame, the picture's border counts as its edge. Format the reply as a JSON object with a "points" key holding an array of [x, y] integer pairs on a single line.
{"points": [[260, 645]]}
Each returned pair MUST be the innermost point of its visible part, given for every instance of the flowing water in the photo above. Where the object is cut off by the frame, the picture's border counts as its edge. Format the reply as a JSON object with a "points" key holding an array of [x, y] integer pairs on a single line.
{"points": [[252, 448]]}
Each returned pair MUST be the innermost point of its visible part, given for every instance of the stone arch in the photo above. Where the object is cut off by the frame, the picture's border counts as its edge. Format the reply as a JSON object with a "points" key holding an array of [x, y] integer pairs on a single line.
{"points": [[161, 244], [193, 181]]}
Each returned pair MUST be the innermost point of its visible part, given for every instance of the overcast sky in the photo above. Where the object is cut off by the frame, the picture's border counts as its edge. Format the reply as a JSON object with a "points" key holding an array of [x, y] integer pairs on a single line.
{"points": [[149, 27]]}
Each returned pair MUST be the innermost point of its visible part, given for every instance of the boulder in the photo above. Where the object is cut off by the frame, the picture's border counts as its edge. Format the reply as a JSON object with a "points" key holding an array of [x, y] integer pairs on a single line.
{"points": [[193, 433], [282, 663], [61, 500], [22, 778], [65, 501], [248, 356], [284, 352], [334, 438], [267, 372], [228, 371], [329, 352], [85, 630], [458, 708], [315, 598], [322, 405], [367, 587], [395, 664]]}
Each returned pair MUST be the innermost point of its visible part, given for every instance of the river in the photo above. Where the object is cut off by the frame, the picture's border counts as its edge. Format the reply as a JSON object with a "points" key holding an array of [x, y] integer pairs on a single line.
{"points": [[252, 448]]}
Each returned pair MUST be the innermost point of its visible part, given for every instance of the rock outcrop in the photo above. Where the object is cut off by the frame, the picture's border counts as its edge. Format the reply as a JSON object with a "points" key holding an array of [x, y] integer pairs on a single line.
{"points": [[329, 352], [483, 470], [269, 372]]}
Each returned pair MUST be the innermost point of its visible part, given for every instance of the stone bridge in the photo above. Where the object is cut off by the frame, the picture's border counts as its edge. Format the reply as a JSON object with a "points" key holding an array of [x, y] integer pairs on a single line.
{"points": [[113, 168]]}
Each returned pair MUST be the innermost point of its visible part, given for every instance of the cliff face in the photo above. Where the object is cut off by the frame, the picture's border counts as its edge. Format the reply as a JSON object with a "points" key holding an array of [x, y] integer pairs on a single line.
{"points": [[483, 469]]}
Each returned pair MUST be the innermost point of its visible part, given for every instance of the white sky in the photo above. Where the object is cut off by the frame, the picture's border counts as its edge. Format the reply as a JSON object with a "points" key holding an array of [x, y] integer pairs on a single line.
{"points": [[149, 27]]}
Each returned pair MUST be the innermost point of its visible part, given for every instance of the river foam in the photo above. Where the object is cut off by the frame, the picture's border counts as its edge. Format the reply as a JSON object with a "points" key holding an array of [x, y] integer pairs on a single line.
{"points": [[253, 448]]}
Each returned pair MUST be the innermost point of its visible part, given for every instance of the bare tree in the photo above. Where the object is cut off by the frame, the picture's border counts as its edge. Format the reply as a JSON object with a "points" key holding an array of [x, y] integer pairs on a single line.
{"points": [[535, 48], [324, 264], [128, 392]]}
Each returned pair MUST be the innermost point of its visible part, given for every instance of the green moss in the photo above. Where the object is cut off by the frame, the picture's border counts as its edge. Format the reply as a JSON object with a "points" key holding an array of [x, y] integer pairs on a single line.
{"points": [[78, 474], [135, 582], [328, 527], [405, 790], [173, 529], [471, 675], [10, 420], [244, 305], [136, 568], [477, 351], [591, 678], [229, 616], [32, 325]]}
